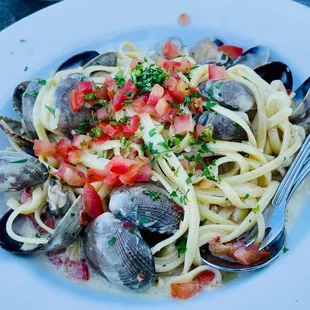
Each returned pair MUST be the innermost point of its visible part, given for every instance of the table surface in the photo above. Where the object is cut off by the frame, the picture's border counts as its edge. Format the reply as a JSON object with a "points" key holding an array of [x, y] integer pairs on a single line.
{"points": [[13, 10]]}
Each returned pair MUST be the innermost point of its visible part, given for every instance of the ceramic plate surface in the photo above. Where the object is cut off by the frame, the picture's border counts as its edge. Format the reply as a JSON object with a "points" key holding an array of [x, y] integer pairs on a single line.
{"points": [[59, 31]]}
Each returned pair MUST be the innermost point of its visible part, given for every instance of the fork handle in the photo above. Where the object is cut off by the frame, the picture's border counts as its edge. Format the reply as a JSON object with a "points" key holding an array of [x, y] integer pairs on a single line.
{"points": [[292, 174]]}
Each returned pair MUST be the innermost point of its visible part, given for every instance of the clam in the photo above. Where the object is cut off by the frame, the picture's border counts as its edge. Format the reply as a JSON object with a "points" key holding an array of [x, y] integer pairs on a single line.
{"points": [[146, 205], [19, 171], [14, 130], [118, 254], [158, 49], [253, 57], [228, 93], [108, 59], [206, 51], [67, 231], [18, 97], [60, 197], [221, 127], [276, 70], [61, 102], [78, 60]]}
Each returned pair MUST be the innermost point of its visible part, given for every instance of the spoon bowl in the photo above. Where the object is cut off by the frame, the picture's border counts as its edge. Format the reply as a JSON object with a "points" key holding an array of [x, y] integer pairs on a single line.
{"points": [[230, 266]]}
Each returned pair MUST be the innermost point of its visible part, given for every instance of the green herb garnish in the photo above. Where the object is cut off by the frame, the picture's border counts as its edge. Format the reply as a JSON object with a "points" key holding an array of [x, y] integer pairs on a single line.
{"points": [[51, 110], [84, 123], [26, 68], [256, 209], [112, 241], [152, 132], [189, 97], [285, 249], [96, 132], [210, 104], [153, 194], [246, 196], [181, 245], [120, 79], [83, 143], [42, 82], [20, 161]]}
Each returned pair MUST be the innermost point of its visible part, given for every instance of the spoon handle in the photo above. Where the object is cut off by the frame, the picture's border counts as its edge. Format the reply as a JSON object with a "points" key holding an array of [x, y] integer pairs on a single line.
{"points": [[290, 177], [274, 216]]}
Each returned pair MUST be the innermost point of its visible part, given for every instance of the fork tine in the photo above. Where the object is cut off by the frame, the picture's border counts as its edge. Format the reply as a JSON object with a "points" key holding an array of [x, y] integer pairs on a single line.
{"points": [[247, 236], [273, 234]]}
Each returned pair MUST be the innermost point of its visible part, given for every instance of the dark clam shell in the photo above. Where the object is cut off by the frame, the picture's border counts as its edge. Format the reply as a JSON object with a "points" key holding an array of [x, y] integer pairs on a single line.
{"points": [[108, 59], [206, 51], [61, 101], [276, 70], [222, 127], [13, 128], [118, 254], [19, 171], [29, 99], [253, 57], [146, 205], [78, 60], [18, 97], [228, 93]]}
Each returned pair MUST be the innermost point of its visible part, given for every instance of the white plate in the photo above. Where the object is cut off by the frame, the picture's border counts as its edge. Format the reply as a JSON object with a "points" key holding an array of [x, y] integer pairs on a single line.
{"points": [[71, 26]]}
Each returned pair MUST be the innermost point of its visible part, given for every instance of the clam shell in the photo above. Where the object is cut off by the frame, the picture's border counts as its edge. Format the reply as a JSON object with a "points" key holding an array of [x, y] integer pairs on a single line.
{"points": [[119, 255], [61, 101], [146, 205], [228, 93], [19, 171]]}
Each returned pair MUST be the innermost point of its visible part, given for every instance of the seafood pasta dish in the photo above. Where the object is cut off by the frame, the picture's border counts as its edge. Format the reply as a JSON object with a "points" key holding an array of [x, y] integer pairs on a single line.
{"points": [[126, 164]]}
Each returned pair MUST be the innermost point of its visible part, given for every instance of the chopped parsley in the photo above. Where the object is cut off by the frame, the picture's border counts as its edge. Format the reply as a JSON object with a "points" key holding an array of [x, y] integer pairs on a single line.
{"points": [[112, 241], [256, 209], [83, 143], [285, 249], [246, 196], [144, 219], [146, 78], [128, 102], [96, 132], [223, 57], [164, 145], [20, 161], [152, 132], [31, 94], [206, 170], [181, 245], [124, 143], [84, 123], [51, 110], [42, 82], [210, 104], [194, 67], [79, 132], [120, 79], [178, 194], [188, 180], [130, 94], [153, 194], [218, 85], [189, 97], [22, 40], [26, 68], [90, 96]]}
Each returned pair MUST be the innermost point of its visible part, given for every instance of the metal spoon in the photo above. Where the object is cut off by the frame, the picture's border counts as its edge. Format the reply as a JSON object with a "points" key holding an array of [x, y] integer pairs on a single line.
{"points": [[277, 243]]}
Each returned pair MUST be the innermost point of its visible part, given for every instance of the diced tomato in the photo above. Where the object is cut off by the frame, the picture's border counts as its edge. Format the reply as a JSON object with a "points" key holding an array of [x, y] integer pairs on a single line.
{"points": [[112, 181], [100, 140], [110, 85], [217, 72], [184, 164], [170, 50], [169, 117], [144, 173], [71, 175], [118, 100], [238, 252], [26, 195], [139, 103], [95, 175], [134, 63], [85, 87], [56, 260], [92, 204], [125, 93], [205, 277], [198, 130], [231, 50], [288, 91], [150, 109], [156, 93], [77, 99], [184, 290], [182, 124], [73, 157], [130, 87], [62, 149], [171, 83], [131, 176], [81, 142], [103, 113], [77, 270], [102, 92], [181, 91], [162, 106], [44, 148], [120, 165], [131, 125], [197, 105], [185, 65], [112, 130]]}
